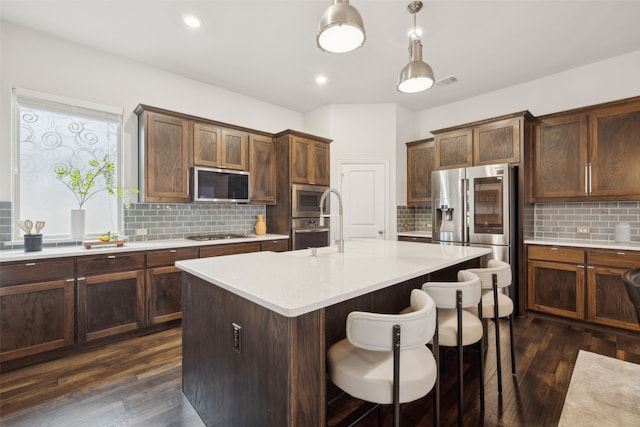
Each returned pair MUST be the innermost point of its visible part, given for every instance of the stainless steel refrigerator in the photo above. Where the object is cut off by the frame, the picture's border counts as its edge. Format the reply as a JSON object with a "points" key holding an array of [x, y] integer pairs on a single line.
{"points": [[476, 206]]}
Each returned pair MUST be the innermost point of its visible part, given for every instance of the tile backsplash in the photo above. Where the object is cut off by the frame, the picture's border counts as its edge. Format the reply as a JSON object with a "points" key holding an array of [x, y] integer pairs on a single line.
{"points": [[413, 218], [559, 220], [176, 220]]}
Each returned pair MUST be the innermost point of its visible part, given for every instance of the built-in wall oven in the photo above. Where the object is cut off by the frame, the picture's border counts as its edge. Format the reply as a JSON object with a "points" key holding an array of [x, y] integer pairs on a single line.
{"points": [[307, 233]]}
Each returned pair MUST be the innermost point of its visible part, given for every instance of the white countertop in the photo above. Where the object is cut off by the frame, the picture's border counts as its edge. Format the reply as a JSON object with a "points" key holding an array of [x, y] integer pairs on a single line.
{"points": [[79, 250], [295, 283], [583, 243]]}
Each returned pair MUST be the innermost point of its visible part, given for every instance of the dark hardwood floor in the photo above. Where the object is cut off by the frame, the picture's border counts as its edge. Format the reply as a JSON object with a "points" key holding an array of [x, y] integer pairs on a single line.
{"points": [[137, 382]]}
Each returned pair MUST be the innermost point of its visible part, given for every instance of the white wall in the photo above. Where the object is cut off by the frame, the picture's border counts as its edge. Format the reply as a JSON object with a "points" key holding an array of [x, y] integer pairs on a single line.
{"points": [[33, 61]]}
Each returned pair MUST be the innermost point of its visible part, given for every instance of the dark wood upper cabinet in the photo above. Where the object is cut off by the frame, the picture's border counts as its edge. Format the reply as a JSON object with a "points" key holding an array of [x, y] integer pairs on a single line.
{"points": [[262, 167], [454, 149], [591, 153], [216, 146], [497, 140], [164, 157], [615, 151], [560, 169], [309, 160], [420, 164]]}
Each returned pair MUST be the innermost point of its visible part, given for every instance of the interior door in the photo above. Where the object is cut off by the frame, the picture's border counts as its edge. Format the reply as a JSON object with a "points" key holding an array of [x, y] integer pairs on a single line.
{"points": [[363, 193]]}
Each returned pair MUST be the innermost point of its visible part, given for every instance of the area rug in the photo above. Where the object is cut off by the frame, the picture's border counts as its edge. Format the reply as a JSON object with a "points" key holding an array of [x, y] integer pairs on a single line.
{"points": [[603, 392]]}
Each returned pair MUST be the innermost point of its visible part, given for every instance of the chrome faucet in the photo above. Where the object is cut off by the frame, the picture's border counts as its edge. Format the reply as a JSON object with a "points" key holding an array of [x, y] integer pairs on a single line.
{"points": [[340, 241]]}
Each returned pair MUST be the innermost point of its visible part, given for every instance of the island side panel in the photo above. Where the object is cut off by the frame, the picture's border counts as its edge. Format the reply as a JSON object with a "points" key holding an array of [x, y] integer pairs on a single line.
{"points": [[274, 380]]}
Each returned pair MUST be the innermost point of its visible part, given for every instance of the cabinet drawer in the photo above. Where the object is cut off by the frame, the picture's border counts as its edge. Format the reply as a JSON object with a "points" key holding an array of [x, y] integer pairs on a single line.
{"points": [[616, 258], [229, 249], [556, 253], [170, 256], [36, 271], [110, 263], [275, 245]]}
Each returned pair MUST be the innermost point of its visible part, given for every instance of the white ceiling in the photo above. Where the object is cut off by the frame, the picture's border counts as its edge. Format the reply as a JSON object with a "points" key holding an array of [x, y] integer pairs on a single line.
{"points": [[267, 49]]}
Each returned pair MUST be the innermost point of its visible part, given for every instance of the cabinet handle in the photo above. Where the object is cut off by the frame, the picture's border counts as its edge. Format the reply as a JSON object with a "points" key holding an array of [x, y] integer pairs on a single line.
{"points": [[554, 249], [620, 253], [111, 257], [30, 264], [590, 181], [173, 251], [580, 266], [80, 279], [590, 267], [69, 280], [586, 179]]}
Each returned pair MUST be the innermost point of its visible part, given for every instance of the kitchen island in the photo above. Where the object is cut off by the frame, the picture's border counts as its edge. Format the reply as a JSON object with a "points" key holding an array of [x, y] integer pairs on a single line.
{"points": [[256, 326]]}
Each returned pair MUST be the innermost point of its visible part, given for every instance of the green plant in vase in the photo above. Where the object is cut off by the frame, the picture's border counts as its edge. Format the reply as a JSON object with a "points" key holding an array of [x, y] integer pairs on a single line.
{"points": [[100, 177]]}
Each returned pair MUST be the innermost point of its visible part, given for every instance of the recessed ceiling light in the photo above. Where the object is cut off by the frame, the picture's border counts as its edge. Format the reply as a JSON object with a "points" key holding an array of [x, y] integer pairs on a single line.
{"points": [[191, 21], [320, 79]]}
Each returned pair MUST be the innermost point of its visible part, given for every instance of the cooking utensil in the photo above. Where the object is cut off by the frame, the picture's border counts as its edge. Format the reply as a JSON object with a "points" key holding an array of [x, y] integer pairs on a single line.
{"points": [[39, 226], [29, 224], [22, 226]]}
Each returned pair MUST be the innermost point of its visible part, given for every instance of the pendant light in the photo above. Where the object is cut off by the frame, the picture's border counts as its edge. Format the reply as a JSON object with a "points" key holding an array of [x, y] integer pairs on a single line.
{"points": [[341, 29], [417, 75]]}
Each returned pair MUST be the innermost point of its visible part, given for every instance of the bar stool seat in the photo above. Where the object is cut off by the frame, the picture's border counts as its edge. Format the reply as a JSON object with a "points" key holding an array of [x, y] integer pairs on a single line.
{"points": [[384, 358]]}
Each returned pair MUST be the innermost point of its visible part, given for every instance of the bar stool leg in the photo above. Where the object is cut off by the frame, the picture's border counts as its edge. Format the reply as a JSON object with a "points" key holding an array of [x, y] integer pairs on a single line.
{"points": [[436, 394], [481, 359], [496, 321], [513, 355]]}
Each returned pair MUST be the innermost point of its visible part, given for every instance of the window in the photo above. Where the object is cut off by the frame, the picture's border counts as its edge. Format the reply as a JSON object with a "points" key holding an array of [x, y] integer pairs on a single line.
{"points": [[53, 132]]}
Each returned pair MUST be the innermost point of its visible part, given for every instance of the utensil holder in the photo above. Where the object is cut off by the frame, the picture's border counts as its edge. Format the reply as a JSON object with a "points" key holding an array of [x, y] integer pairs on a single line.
{"points": [[32, 242]]}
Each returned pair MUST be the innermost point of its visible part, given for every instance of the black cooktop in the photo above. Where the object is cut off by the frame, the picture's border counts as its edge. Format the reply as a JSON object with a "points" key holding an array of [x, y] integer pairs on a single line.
{"points": [[205, 237]]}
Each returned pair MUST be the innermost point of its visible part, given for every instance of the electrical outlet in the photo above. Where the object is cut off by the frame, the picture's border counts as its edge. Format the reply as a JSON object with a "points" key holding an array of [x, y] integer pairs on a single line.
{"points": [[583, 230], [142, 231], [237, 337]]}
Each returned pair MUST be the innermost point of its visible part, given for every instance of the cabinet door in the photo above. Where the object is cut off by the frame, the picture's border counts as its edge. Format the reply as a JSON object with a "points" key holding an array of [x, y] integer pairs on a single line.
{"points": [[235, 145], [163, 294], [320, 174], [110, 304], [608, 302], [262, 167], [556, 288], [615, 152], [497, 142], [207, 148], [36, 317], [560, 158], [454, 149], [301, 152], [166, 158], [420, 164]]}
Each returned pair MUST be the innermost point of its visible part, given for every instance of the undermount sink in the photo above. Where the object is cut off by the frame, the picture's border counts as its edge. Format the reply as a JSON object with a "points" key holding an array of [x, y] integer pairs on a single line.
{"points": [[205, 237]]}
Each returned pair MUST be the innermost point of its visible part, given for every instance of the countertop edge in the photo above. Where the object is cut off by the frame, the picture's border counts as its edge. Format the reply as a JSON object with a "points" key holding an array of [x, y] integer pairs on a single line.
{"points": [[79, 250], [578, 243]]}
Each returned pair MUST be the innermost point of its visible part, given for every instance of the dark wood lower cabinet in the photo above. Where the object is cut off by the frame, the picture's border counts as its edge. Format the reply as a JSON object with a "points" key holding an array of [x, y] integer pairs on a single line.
{"points": [[163, 294], [35, 318], [110, 304], [582, 284]]}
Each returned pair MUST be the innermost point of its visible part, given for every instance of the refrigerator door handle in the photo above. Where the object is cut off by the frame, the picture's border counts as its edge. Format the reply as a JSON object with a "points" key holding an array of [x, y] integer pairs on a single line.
{"points": [[464, 183]]}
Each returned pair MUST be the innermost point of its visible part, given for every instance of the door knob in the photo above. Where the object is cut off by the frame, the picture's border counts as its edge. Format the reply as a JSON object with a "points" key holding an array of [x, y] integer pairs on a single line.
{"points": [[381, 232]]}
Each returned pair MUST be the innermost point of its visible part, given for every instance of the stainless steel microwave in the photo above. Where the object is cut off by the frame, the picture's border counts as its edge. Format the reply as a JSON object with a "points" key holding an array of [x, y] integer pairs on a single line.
{"points": [[219, 185]]}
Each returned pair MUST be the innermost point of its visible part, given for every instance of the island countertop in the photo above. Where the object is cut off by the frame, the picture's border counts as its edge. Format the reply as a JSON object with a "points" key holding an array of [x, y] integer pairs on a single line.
{"points": [[295, 283]]}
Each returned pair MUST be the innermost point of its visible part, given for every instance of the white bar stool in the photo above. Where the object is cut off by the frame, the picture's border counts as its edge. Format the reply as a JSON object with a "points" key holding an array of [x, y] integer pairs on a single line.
{"points": [[497, 276], [457, 327], [367, 364]]}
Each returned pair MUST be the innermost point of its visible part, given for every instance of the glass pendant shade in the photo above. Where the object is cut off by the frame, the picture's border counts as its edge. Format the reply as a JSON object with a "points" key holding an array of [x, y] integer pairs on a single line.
{"points": [[341, 29], [417, 75]]}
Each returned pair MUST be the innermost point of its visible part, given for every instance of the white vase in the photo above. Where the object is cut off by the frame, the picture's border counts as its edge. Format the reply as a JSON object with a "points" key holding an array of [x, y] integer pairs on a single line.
{"points": [[77, 224]]}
